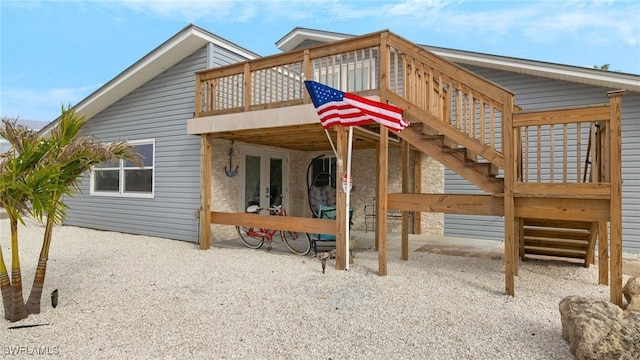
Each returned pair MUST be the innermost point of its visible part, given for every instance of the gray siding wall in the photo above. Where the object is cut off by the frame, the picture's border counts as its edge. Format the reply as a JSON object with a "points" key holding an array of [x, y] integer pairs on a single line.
{"points": [[156, 110], [538, 93]]}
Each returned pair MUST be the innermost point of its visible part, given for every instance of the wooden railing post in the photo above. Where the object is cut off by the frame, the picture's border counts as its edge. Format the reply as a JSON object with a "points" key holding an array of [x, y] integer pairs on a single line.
{"points": [[198, 108], [615, 153], [384, 66], [306, 63], [247, 87]]}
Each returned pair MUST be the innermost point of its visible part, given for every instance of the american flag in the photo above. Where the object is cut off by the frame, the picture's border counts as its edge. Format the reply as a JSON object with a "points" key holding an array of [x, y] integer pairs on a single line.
{"points": [[339, 108]]}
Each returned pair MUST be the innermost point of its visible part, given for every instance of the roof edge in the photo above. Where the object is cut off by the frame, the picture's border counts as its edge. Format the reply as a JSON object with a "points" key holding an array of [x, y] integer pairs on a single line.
{"points": [[189, 38], [583, 75]]}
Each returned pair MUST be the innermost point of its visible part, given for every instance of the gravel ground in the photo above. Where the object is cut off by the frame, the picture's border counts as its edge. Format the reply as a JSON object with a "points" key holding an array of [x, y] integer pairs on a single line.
{"points": [[126, 296]]}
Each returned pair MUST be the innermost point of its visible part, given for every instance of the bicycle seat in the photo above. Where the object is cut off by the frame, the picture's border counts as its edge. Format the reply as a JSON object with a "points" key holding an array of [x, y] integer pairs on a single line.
{"points": [[253, 209]]}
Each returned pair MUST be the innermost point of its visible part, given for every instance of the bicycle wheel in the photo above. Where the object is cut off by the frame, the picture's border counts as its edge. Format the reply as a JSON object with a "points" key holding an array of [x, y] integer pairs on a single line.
{"points": [[298, 243], [252, 241]]}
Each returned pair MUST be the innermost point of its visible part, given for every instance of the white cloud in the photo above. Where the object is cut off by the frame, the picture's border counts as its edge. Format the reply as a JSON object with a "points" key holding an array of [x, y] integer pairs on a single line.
{"points": [[43, 105], [538, 21], [194, 10], [245, 11], [576, 20]]}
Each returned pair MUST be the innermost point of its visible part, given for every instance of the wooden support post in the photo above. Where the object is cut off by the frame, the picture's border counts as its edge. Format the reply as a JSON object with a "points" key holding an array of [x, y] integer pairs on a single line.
{"points": [[405, 189], [615, 153], [383, 160], [518, 243], [510, 167], [204, 234], [589, 258], [381, 205], [417, 188], [603, 253], [521, 238], [341, 199], [377, 234]]}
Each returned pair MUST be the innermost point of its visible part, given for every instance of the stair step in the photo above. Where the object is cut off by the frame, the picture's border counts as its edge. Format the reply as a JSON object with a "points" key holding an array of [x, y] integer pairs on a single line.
{"points": [[436, 138], [441, 140], [488, 168], [554, 252], [561, 234], [449, 144], [557, 244], [416, 126], [563, 224], [462, 154]]}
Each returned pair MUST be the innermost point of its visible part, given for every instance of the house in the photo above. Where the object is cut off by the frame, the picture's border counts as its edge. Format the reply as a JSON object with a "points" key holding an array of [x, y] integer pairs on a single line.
{"points": [[32, 124], [148, 104], [198, 106]]}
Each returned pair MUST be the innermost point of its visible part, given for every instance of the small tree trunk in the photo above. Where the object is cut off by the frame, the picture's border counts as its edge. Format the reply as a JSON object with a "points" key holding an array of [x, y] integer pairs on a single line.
{"points": [[35, 297], [19, 311], [5, 287], [7, 294]]}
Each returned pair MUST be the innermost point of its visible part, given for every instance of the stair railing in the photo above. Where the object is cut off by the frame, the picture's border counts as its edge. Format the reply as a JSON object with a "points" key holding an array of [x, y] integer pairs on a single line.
{"points": [[553, 150], [447, 92]]}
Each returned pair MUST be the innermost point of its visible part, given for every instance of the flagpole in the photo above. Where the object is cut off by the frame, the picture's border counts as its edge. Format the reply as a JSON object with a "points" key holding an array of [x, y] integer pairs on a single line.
{"points": [[348, 195], [331, 142]]}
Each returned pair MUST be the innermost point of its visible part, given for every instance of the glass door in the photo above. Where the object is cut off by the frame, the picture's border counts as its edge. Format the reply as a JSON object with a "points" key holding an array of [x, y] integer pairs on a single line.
{"points": [[264, 178]]}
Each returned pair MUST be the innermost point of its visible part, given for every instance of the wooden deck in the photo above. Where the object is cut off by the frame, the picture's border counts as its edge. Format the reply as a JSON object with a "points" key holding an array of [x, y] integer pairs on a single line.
{"points": [[553, 174]]}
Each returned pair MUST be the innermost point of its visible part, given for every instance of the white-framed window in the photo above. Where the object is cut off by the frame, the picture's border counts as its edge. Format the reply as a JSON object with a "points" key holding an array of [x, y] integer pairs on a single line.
{"points": [[122, 178]]}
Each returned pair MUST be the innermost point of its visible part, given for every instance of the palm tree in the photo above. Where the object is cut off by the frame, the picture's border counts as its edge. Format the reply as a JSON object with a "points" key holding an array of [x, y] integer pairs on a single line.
{"points": [[72, 155], [19, 178], [34, 177]]}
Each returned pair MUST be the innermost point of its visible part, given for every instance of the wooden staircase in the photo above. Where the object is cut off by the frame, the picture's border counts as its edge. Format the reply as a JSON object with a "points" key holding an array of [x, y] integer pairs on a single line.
{"points": [[555, 238], [538, 237], [452, 148]]}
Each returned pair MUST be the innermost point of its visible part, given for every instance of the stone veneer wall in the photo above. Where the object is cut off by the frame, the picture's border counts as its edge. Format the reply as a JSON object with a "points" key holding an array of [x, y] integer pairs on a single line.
{"points": [[364, 179], [225, 192]]}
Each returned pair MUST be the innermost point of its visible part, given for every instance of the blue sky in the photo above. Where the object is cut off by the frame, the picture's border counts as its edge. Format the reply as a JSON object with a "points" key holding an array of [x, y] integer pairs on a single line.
{"points": [[59, 52]]}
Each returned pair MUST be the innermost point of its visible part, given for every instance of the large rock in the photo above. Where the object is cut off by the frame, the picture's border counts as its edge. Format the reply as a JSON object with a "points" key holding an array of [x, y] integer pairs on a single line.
{"points": [[599, 330], [631, 293]]}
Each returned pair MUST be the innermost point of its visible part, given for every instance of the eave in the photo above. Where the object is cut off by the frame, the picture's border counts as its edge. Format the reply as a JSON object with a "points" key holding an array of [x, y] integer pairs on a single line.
{"points": [[169, 53]]}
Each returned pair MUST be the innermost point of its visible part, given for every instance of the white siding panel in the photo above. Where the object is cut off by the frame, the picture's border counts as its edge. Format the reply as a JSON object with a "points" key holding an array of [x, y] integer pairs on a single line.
{"points": [[538, 93]]}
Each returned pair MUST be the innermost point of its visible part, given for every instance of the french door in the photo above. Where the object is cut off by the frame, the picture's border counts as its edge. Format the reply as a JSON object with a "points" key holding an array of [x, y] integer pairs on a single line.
{"points": [[265, 178]]}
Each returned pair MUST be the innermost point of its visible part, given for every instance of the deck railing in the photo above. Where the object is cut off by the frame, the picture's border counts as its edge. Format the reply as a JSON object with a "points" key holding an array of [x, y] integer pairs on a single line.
{"points": [[368, 65], [558, 146], [278, 81]]}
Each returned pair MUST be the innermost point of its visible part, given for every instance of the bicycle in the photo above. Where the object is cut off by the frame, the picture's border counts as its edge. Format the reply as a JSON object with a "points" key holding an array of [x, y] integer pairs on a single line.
{"points": [[254, 238]]}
